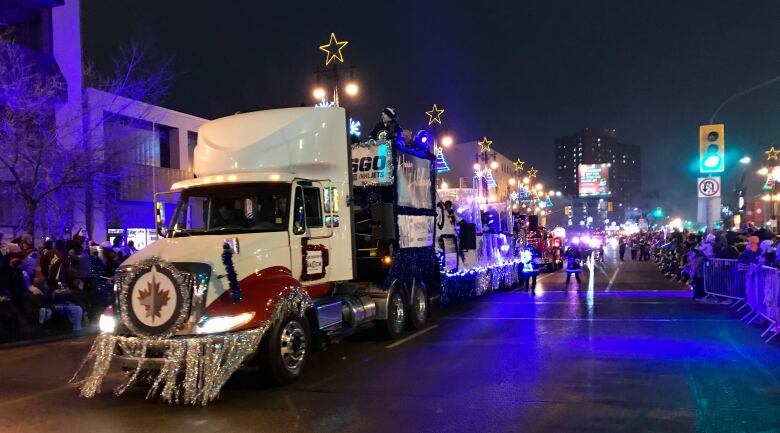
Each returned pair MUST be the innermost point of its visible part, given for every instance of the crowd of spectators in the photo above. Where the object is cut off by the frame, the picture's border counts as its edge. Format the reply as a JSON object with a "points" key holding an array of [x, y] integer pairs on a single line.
{"points": [[60, 286], [682, 255]]}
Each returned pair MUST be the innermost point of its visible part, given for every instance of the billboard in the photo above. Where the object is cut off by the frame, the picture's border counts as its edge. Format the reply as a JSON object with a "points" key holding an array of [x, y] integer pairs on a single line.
{"points": [[593, 180]]}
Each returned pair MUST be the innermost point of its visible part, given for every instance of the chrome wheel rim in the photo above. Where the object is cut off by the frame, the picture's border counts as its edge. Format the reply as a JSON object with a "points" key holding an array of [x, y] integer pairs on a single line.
{"points": [[292, 345], [397, 314], [420, 306]]}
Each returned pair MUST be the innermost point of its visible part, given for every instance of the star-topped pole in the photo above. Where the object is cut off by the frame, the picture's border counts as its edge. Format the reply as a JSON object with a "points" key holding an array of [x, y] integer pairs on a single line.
{"points": [[772, 153], [532, 172], [484, 145], [519, 165], [434, 116], [333, 49]]}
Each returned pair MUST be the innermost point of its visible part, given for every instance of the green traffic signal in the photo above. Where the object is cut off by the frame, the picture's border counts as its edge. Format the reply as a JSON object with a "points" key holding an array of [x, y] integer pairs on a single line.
{"points": [[711, 148]]}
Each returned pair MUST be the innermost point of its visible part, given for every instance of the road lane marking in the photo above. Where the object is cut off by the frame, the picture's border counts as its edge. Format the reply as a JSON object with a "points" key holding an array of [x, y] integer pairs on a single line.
{"points": [[415, 335], [612, 280], [578, 319]]}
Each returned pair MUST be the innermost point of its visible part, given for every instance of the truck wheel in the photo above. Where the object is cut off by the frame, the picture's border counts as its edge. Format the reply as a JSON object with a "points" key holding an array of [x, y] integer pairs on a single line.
{"points": [[396, 314], [419, 308], [286, 349]]}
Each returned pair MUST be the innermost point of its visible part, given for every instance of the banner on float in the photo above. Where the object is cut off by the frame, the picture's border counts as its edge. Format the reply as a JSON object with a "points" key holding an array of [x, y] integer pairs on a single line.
{"points": [[414, 182], [372, 164], [450, 250], [415, 231]]}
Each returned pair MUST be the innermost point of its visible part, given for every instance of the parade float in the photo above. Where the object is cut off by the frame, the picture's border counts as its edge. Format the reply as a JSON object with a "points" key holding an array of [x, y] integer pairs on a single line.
{"points": [[289, 238]]}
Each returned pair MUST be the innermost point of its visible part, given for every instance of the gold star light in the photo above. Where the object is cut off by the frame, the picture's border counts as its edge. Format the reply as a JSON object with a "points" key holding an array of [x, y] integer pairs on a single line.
{"points": [[772, 153], [519, 165], [484, 145], [333, 49], [434, 116], [532, 172]]}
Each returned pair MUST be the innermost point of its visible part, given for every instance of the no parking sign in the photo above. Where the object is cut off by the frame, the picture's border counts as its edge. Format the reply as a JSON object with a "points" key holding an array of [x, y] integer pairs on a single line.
{"points": [[709, 187]]}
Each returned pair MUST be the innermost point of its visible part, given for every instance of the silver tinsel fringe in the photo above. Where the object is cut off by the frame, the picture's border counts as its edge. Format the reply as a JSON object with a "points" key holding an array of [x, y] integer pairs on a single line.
{"points": [[194, 369]]}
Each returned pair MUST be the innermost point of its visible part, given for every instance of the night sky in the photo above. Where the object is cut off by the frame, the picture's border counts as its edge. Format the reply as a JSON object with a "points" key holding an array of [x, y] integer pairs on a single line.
{"points": [[520, 72]]}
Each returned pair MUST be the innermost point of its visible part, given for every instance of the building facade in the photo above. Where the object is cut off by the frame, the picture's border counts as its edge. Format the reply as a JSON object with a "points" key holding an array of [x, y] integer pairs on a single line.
{"points": [[152, 145], [599, 146]]}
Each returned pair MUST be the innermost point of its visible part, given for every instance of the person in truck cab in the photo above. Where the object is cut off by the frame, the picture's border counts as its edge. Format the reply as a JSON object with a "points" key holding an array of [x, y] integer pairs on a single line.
{"points": [[228, 216]]}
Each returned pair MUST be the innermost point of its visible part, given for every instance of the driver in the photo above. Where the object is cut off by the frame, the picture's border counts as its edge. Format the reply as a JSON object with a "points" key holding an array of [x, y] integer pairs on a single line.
{"points": [[226, 216]]}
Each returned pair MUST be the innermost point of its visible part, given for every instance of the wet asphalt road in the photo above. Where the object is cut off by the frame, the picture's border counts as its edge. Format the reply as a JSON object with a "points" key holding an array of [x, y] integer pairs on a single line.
{"points": [[628, 351]]}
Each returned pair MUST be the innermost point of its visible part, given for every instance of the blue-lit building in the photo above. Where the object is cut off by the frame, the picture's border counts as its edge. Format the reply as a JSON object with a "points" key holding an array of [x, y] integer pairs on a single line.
{"points": [[156, 143]]}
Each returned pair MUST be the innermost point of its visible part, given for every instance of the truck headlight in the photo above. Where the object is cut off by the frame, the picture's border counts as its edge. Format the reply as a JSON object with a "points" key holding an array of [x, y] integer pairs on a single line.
{"points": [[107, 323], [217, 324]]}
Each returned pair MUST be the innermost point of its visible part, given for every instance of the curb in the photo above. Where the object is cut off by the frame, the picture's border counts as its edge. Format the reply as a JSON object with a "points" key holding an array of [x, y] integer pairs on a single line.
{"points": [[49, 339]]}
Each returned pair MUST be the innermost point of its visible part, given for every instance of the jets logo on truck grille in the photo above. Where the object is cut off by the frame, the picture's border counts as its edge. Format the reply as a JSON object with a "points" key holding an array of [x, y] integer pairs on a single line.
{"points": [[154, 298]]}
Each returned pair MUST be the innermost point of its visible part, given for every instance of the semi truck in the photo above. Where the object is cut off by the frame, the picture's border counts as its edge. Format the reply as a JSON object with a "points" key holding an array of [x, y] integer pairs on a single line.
{"points": [[287, 239]]}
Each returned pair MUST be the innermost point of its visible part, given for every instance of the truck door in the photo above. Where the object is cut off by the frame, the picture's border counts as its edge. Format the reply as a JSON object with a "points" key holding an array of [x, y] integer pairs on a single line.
{"points": [[310, 237]]}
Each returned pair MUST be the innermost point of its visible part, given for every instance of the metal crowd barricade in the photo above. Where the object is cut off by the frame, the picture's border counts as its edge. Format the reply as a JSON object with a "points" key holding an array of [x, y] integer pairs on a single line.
{"points": [[757, 286], [725, 278], [761, 291]]}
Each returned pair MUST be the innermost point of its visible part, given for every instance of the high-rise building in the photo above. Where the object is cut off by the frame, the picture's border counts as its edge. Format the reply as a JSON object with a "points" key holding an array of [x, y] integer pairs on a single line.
{"points": [[599, 146]]}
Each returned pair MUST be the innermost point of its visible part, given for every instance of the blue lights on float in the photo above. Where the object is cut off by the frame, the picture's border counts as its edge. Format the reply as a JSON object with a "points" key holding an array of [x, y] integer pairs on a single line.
{"points": [[472, 282]]}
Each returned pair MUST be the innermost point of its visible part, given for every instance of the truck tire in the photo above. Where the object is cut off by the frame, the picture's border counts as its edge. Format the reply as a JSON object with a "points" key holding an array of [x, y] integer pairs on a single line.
{"points": [[285, 350], [418, 307], [396, 314]]}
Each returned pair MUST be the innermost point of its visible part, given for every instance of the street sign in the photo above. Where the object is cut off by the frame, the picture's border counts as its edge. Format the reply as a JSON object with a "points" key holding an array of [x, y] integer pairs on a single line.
{"points": [[709, 187]]}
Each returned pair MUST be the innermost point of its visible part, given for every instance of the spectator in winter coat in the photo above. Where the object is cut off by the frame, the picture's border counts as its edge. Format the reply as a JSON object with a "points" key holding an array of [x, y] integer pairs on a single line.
{"points": [[768, 256], [751, 254]]}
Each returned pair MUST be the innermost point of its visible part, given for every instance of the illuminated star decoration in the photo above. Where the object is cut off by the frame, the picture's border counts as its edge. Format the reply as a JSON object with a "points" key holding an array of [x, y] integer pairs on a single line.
{"points": [[333, 49], [519, 165], [772, 153], [532, 172], [153, 299], [484, 145], [354, 127], [434, 116]]}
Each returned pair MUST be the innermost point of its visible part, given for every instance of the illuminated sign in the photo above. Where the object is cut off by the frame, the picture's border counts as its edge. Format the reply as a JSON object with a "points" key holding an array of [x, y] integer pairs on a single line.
{"points": [[593, 180]]}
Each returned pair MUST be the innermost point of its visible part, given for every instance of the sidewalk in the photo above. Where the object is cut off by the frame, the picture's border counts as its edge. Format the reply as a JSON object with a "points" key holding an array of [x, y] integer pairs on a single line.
{"points": [[48, 336]]}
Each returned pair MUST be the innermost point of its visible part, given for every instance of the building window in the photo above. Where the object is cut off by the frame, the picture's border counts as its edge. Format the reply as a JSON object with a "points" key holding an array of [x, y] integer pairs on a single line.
{"points": [[137, 141], [192, 141]]}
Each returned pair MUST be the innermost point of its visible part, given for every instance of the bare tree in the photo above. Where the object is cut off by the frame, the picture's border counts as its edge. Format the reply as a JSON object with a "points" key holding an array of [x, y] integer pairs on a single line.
{"points": [[47, 146]]}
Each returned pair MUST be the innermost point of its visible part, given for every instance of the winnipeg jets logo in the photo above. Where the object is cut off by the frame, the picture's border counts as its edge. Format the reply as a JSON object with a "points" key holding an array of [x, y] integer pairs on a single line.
{"points": [[153, 298]]}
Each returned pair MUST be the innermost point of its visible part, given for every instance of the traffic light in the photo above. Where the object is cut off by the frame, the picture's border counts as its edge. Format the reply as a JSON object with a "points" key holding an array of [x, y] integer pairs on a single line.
{"points": [[610, 208], [711, 148], [567, 210]]}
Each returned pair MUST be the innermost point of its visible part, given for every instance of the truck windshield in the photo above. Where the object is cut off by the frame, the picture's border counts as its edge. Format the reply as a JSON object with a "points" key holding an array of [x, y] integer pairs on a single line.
{"points": [[231, 208]]}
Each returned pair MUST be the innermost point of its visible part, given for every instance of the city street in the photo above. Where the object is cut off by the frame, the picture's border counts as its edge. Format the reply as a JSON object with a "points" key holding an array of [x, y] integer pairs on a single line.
{"points": [[629, 351]]}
